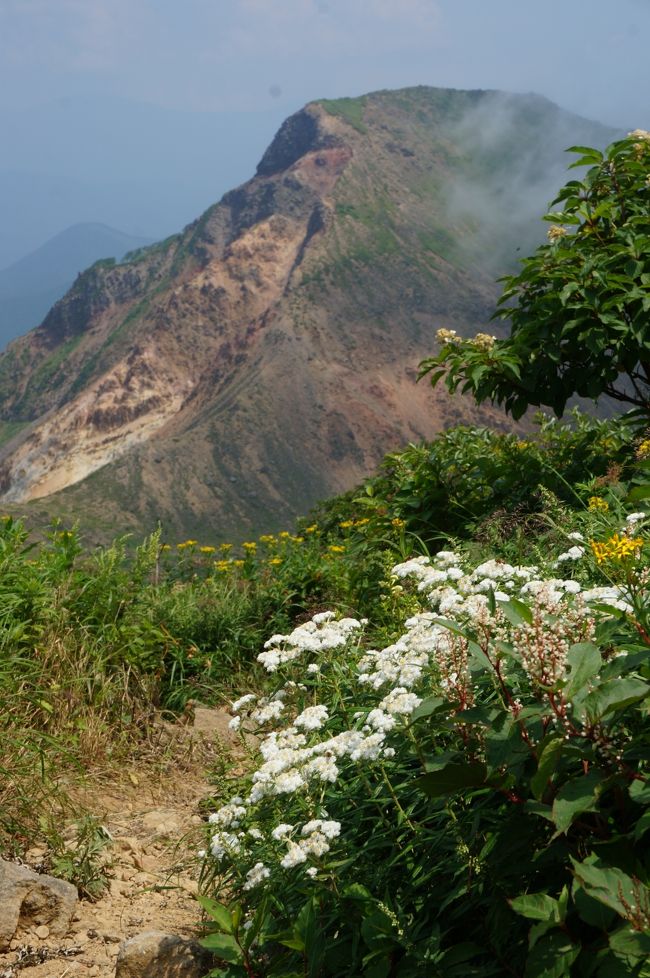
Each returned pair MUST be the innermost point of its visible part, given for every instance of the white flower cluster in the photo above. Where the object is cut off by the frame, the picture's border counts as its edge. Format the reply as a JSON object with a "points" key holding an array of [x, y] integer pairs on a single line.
{"points": [[323, 632], [313, 745]]}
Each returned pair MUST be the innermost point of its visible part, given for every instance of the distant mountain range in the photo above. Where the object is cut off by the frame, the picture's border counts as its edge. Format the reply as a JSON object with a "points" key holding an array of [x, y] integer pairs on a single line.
{"points": [[31, 286], [226, 378]]}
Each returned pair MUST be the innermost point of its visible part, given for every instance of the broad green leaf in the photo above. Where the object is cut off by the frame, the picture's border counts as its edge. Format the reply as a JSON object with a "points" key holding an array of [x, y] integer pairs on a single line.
{"points": [[640, 791], [552, 957], [630, 944], [223, 946], [614, 695], [536, 906], [606, 884], [451, 778], [577, 796], [429, 706], [217, 912], [585, 660], [546, 766], [516, 612]]}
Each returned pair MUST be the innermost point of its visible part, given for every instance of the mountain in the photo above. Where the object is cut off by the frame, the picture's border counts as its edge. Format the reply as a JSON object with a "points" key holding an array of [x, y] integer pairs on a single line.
{"points": [[225, 379], [30, 286]]}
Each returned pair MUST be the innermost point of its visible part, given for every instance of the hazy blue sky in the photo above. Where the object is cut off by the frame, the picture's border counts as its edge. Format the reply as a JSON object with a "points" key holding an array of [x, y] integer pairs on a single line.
{"points": [[588, 55]]}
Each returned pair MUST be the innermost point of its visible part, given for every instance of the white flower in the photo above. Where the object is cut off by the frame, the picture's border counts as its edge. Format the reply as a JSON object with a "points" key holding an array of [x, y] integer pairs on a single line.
{"points": [[295, 855], [400, 701], [312, 718], [312, 871], [635, 518], [256, 875], [235, 723], [243, 701], [313, 668], [281, 830]]}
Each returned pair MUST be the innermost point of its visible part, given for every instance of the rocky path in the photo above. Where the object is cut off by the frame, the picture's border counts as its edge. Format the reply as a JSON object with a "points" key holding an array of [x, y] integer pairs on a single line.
{"points": [[154, 816]]}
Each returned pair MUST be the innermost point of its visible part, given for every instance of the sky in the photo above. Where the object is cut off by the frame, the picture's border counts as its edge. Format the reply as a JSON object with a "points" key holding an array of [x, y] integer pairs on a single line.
{"points": [[141, 113], [208, 55]]}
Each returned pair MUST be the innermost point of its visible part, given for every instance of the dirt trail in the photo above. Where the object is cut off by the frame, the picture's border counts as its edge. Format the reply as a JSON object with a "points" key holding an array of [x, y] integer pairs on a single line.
{"points": [[154, 816]]}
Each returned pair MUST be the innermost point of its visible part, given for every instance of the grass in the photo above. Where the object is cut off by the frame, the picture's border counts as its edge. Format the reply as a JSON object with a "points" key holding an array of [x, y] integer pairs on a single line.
{"points": [[349, 109]]}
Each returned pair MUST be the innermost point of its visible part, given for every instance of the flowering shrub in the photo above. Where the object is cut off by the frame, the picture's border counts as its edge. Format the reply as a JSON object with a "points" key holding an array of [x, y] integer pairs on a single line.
{"points": [[580, 314], [465, 800]]}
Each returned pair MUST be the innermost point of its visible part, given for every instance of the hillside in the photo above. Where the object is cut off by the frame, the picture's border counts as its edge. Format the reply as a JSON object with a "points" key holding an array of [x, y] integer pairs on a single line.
{"points": [[30, 286], [266, 357]]}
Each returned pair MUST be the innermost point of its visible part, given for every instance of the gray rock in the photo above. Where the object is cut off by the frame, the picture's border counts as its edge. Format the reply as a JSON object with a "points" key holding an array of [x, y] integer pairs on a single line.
{"points": [[29, 900], [154, 954]]}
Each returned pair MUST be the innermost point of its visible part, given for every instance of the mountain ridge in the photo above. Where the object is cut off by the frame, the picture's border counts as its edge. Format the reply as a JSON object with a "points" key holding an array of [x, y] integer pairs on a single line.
{"points": [[266, 356]]}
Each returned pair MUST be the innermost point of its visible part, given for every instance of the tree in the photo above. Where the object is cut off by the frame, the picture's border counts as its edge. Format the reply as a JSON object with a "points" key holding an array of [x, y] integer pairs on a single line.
{"points": [[580, 306]]}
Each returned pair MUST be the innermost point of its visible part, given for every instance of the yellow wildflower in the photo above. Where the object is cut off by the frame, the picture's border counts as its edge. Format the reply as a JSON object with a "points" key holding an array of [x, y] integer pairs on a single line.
{"points": [[598, 505], [555, 232], [643, 450], [284, 534], [222, 565], [447, 336], [336, 549], [617, 548], [483, 341], [275, 561], [362, 522], [398, 523], [225, 547], [346, 524], [312, 528], [238, 563], [207, 550], [298, 539], [250, 546], [267, 538], [165, 546]]}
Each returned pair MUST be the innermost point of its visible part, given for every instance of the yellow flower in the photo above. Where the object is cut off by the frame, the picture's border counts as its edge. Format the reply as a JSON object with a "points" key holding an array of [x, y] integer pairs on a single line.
{"points": [[165, 546], [398, 523], [362, 522], [225, 547], [275, 561], [521, 445], [312, 528], [284, 534], [617, 548], [267, 538], [222, 565], [298, 539], [207, 550], [555, 232], [447, 336], [483, 341], [643, 450], [336, 549], [346, 524], [250, 546], [598, 505], [238, 563]]}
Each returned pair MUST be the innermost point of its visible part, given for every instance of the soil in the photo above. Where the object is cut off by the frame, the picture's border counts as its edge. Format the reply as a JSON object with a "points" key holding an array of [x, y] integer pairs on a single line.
{"points": [[154, 813]]}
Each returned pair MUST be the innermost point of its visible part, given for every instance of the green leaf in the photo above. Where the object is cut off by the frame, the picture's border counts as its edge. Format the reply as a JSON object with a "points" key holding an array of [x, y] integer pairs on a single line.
{"points": [[546, 766], [574, 798], [630, 944], [614, 695], [551, 957], [637, 494], [451, 778], [516, 612], [429, 706], [217, 912], [536, 906], [585, 661], [640, 791], [223, 946], [604, 883]]}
